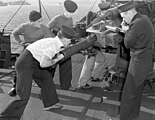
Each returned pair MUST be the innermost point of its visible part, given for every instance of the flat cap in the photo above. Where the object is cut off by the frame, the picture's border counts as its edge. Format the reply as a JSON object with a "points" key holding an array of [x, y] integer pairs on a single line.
{"points": [[68, 32], [104, 5], [70, 6], [127, 6]]}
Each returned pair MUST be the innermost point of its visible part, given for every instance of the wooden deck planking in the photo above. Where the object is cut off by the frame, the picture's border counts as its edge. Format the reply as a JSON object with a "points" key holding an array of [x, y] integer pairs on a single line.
{"points": [[78, 104]]}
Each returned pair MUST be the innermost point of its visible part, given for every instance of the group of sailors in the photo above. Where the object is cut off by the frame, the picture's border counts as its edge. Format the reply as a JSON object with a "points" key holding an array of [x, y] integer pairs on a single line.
{"points": [[43, 46]]}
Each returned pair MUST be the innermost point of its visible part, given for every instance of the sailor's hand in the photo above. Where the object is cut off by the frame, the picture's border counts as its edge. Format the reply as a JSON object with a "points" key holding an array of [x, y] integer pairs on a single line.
{"points": [[57, 58], [24, 44], [125, 28], [60, 56], [84, 52]]}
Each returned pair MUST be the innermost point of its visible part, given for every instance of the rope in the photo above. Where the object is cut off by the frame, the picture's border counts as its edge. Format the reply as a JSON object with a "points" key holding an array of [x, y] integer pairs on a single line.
{"points": [[45, 11], [93, 5], [40, 6], [13, 16], [83, 19]]}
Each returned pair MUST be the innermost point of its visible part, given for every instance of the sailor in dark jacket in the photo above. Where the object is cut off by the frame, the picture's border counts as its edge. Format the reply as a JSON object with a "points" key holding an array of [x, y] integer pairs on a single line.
{"points": [[139, 38]]}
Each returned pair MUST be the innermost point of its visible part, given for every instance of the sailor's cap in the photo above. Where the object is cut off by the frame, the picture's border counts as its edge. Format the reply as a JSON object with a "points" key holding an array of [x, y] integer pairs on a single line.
{"points": [[127, 6], [104, 5], [70, 6], [68, 32], [34, 16]]}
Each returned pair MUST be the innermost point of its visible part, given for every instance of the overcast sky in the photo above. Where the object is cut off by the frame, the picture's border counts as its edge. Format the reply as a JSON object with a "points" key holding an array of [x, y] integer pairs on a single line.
{"points": [[48, 2]]}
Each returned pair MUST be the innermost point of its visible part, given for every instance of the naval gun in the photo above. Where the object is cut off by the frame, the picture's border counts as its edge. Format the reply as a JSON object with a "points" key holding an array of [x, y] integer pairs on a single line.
{"points": [[89, 41]]}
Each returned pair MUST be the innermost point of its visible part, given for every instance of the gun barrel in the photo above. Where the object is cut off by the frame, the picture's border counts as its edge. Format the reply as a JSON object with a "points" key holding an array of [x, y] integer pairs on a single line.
{"points": [[68, 52]]}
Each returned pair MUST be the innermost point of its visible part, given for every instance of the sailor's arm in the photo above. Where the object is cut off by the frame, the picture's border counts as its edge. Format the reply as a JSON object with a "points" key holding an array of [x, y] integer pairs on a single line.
{"points": [[52, 26], [47, 32], [17, 32], [53, 23], [131, 35], [47, 62]]}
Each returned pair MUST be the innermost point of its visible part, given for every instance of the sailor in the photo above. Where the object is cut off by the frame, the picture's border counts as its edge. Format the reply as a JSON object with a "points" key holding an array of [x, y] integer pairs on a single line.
{"points": [[31, 31], [95, 61], [139, 39], [38, 56], [93, 17], [65, 67]]}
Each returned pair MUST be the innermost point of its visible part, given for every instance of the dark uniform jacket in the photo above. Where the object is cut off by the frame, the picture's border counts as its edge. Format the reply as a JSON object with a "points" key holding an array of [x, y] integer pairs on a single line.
{"points": [[139, 38]]}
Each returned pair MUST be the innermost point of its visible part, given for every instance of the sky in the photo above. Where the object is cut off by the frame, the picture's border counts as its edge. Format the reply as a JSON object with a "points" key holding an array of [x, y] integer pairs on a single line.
{"points": [[48, 2]]}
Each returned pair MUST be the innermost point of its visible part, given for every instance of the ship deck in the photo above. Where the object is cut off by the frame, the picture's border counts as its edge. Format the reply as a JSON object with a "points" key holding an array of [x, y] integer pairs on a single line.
{"points": [[79, 104]]}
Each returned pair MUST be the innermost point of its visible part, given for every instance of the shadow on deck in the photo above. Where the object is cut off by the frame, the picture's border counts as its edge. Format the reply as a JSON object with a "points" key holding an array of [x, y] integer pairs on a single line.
{"points": [[78, 104]]}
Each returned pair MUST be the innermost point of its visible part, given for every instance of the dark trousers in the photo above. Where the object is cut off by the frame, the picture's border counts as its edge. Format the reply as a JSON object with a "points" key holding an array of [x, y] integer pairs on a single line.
{"points": [[26, 66], [132, 92], [65, 72], [65, 66]]}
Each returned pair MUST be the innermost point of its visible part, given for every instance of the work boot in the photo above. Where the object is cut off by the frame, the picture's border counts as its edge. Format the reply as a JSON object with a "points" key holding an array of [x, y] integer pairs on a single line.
{"points": [[86, 86], [12, 92]]}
